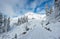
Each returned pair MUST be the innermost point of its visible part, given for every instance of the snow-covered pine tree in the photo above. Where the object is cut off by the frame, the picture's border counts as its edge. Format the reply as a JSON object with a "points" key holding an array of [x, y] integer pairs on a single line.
{"points": [[51, 10], [15, 36], [1, 17], [5, 23], [8, 24], [1, 22], [26, 27], [26, 18], [47, 10], [57, 8], [21, 19], [19, 22]]}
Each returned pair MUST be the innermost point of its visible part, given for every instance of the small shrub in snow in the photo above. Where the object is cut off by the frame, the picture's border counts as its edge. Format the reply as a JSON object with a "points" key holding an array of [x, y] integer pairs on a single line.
{"points": [[48, 29], [15, 36], [24, 32], [47, 23]]}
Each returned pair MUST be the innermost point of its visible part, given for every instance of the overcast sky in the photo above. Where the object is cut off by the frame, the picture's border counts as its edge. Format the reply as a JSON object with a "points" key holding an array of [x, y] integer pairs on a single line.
{"points": [[20, 7]]}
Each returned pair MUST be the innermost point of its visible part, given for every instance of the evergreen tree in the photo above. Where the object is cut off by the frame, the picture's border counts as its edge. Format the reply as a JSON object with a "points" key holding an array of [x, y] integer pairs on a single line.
{"points": [[51, 10], [18, 21], [8, 23], [23, 20], [5, 23], [57, 8], [47, 10], [26, 28], [27, 18], [1, 17], [1, 22], [15, 36]]}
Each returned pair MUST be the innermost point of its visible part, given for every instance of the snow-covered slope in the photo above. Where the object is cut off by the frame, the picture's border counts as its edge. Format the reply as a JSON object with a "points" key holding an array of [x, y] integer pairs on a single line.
{"points": [[37, 29], [41, 33]]}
